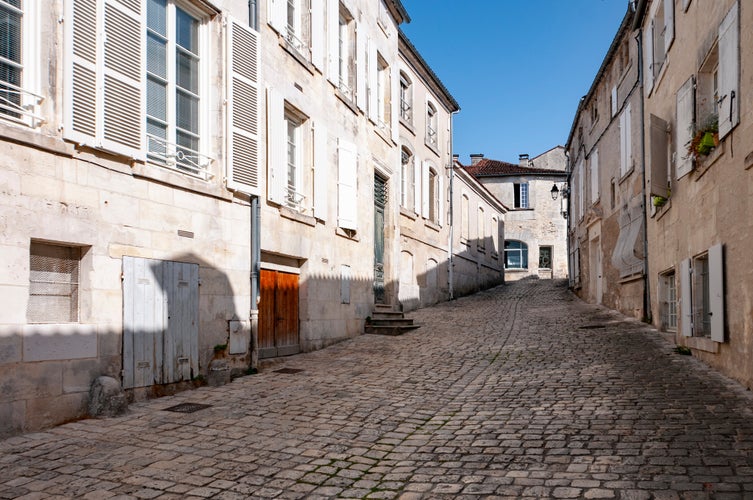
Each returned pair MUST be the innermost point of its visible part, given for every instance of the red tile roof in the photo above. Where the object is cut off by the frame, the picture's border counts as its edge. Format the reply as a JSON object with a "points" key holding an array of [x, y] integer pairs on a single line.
{"points": [[488, 168]]}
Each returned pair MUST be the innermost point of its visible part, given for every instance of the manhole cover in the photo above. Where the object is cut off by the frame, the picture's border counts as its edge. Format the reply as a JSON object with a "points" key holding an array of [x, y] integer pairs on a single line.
{"points": [[187, 407], [289, 370]]}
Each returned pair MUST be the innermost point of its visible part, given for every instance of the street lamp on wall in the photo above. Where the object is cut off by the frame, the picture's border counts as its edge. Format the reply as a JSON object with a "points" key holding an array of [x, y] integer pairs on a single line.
{"points": [[555, 192]]}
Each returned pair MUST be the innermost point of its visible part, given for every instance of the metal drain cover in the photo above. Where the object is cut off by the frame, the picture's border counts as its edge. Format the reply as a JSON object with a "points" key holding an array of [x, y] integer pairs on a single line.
{"points": [[187, 407], [288, 370]]}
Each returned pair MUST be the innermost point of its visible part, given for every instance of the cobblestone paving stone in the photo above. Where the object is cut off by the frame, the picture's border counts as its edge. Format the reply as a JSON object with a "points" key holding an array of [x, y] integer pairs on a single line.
{"points": [[520, 391]]}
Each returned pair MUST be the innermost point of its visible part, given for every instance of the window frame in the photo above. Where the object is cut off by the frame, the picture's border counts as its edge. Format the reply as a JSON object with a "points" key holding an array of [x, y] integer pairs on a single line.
{"points": [[406, 98], [432, 134], [24, 108], [168, 152], [668, 300], [521, 195], [521, 250], [76, 257]]}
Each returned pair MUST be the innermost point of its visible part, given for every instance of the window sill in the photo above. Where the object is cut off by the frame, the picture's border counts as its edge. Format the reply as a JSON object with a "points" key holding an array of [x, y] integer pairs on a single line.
{"points": [[703, 165], [164, 175], [432, 147], [701, 344], [290, 214], [383, 134], [24, 135], [658, 212], [630, 279], [408, 126], [348, 234], [432, 225], [296, 55], [346, 100], [407, 213], [480, 249], [516, 270], [626, 175]]}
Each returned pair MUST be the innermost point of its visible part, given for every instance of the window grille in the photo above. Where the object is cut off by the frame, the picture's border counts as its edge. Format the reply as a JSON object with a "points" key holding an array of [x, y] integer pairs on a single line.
{"points": [[53, 283]]}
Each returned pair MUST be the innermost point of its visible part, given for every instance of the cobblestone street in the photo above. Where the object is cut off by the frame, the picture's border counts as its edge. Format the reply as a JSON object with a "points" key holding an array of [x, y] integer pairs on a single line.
{"points": [[518, 391]]}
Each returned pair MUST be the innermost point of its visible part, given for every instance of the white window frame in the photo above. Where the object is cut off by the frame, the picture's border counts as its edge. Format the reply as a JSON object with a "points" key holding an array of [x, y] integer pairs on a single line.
{"points": [[406, 176], [626, 141], [406, 98], [26, 111], [383, 86], [521, 192], [701, 297], [668, 300], [522, 250], [432, 134], [59, 277], [346, 70], [166, 152], [294, 198]]}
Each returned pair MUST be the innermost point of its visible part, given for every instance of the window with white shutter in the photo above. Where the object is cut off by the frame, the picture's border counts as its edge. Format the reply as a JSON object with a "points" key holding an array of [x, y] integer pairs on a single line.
{"points": [[104, 77], [321, 172], [702, 295], [276, 146], [347, 185], [243, 54], [659, 158], [594, 168], [432, 138], [626, 141], [346, 52], [18, 100], [729, 72]]}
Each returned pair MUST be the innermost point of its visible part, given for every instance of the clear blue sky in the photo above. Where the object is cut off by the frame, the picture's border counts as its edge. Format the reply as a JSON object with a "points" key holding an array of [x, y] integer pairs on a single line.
{"points": [[517, 67]]}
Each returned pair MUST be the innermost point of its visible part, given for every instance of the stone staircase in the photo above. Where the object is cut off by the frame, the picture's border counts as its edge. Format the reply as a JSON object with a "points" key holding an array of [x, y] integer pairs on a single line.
{"points": [[386, 321]]}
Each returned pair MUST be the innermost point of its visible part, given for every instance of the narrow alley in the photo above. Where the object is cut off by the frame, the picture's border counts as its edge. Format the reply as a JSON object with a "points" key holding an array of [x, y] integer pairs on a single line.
{"points": [[522, 390]]}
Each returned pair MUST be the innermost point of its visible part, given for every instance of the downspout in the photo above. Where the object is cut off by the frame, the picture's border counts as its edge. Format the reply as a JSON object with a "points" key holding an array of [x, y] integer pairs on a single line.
{"points": [[646, 281], [450, 216], [255, 266], [567, 220]]}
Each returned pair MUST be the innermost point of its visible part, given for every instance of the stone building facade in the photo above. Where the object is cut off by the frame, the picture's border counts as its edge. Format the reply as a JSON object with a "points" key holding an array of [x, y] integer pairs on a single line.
{"points": [[188, 186], [699, 130], [607, 224], [535, 242]]}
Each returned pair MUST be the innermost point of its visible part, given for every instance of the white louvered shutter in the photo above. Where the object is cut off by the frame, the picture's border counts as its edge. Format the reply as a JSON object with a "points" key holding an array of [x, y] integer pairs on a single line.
{"points": [[243, 52], [333, 41], [104, 75], [395, 102], [615, 104], [321, 172], [317, 33], [440, 199], [416, 183], [277, 15], [425, 190], [361, 71], [276, 144], [648, 69], [686, 300], [684, 127], [716, 292], [594, 175], [669, 24], [729, 72], [347, 188]]}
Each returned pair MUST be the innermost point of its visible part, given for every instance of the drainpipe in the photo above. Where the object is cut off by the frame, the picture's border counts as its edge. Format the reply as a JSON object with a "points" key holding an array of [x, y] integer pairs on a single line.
{"points": [[646, 280], [451, 221], [255, 266], [567, 220]]}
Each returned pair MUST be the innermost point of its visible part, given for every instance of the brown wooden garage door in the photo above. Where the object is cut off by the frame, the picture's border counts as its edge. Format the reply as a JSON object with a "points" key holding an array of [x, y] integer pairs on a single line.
{"points": [[278, 314]]}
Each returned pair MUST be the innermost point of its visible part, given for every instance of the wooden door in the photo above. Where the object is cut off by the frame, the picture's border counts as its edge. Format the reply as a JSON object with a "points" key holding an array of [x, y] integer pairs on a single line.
{"points": [[380, 201], [278, 314], [160, 321]]}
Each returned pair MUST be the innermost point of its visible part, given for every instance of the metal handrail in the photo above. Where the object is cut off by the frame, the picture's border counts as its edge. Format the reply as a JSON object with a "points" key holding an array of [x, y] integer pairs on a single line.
{"points": [[178, 157]]}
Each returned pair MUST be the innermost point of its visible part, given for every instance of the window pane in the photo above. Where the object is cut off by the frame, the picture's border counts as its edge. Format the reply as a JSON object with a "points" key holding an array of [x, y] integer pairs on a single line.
{"points": [[187, 112], [156, 99], [10, 34], [187, 72], [156, 55], [156, 16], [187, 31], [187, 143]]}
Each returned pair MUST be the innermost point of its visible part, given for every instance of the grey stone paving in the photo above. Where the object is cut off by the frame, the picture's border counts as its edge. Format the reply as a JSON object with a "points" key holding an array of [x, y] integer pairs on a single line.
{"points": [[503, 394]]}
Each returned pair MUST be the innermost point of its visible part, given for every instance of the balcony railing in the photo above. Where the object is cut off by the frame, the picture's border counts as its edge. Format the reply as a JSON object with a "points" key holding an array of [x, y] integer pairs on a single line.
{"points": [[431, 136], [180, 158], [294, 199], [20, 105], [298, 44]]}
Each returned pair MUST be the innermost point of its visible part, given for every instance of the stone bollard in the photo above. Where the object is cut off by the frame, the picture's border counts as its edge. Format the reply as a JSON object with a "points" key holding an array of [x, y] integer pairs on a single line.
{"points": [[106, 398], [219, 372]]}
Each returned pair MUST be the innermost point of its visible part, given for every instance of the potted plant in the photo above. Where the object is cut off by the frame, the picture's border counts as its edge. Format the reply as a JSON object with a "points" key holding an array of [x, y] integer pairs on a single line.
{"points": [[705, 138]]}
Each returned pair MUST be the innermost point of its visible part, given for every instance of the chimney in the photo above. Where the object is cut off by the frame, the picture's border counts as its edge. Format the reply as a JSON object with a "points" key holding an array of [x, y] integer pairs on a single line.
{"points": [[476, 157], [523, 159]]}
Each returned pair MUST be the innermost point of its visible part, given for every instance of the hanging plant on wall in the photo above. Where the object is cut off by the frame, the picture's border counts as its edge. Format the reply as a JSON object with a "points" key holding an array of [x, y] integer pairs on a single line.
{"points": [[705, 138]]}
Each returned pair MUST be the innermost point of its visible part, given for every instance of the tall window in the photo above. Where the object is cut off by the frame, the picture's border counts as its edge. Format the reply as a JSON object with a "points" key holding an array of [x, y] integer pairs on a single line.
{"points": [[11, 16], [406, 175], [172, 88], [521, 195], [346, 53], [668, 298], [293, 157], [701, 297], [626, 141], [465, 233], [481, 225], [516, 255], [53, 283], [433, 196], [406, 98], [545, 257], [431, 125], [383, 93]]}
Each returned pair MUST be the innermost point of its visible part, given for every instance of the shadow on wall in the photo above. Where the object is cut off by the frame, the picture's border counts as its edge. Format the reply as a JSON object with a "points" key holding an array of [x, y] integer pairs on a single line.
{"points": [[180, 321]]}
